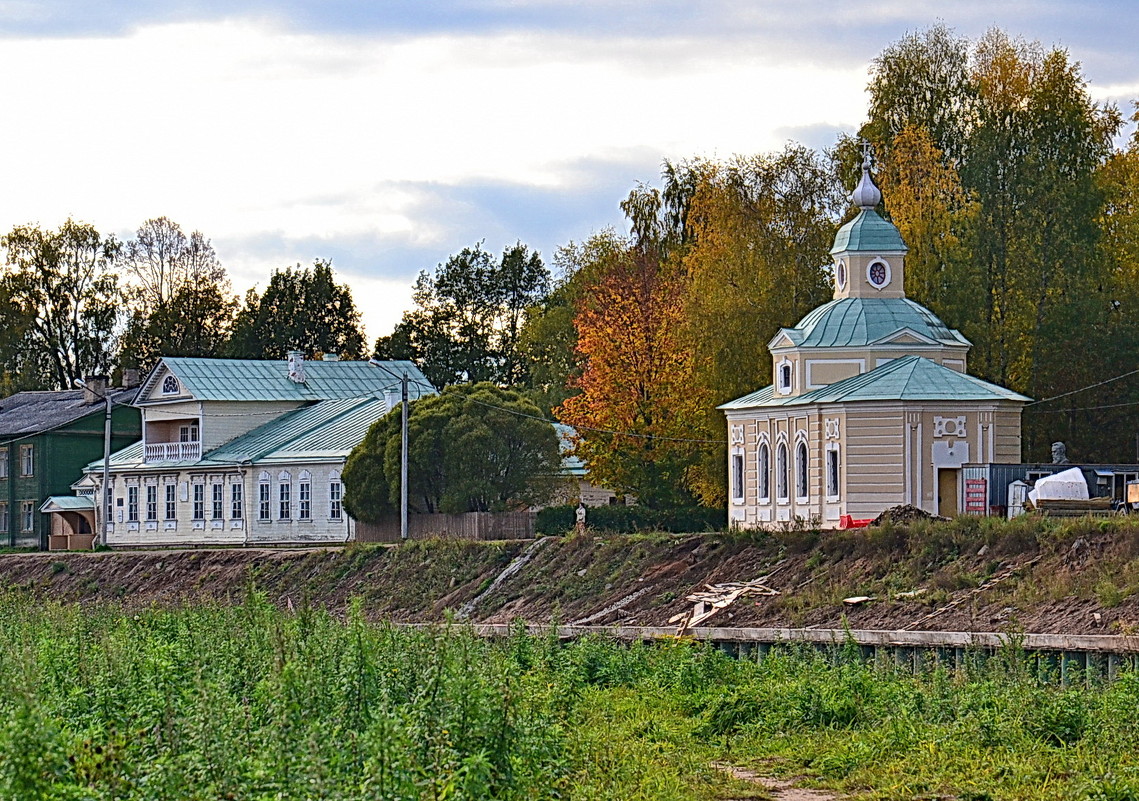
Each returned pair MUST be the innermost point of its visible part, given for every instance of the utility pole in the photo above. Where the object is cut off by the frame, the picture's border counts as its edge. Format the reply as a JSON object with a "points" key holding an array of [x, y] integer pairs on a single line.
{"points": [[105, 512], [403, 458]]}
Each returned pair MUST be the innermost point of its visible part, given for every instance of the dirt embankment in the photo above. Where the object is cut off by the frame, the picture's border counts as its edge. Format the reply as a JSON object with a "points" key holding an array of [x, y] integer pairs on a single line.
{"points": [[1080, 578]]}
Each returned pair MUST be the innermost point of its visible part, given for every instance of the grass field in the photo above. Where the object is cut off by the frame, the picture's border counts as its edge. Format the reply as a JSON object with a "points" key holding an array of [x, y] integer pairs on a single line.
{"points": [[248, 702]]}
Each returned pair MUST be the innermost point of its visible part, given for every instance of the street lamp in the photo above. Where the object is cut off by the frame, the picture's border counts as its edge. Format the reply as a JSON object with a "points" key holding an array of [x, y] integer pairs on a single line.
{"points": [[105, 513]]}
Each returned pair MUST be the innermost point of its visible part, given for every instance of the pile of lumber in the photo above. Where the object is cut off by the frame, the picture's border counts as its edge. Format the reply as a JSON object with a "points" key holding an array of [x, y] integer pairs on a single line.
{"points": [[717, 597], [1070, 507]]}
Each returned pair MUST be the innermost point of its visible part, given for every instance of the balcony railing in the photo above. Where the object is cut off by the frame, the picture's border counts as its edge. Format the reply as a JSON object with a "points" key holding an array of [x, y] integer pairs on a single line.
{"points": [[172, 451]]}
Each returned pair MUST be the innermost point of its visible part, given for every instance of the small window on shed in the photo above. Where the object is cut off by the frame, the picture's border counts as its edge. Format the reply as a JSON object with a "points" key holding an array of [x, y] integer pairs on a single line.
{"points": [[170, 385]]}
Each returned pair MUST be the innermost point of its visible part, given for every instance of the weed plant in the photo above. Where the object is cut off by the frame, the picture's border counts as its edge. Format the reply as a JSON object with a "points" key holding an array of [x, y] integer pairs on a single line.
{"points": [[250, 702]]}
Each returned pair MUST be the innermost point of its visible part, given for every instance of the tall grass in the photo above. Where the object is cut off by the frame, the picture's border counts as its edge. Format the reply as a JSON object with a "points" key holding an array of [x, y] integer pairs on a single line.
{"points": [[249, 702]]}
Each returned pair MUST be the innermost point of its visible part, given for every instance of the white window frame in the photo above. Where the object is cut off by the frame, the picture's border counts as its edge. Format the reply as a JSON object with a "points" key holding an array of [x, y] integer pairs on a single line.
{"points": [[27, 516], [264, 500], [198, 501], [889, 273], [217, 501], [27, 460], [171, 500], [763, 470], [304, 497], [170, 385], [785, 367], [782, 477], [833, 469], [152, 502], [284, 496], [189, 433], [738, 477], [335, 498], [802, 470], [132, 504], [236, 501]]}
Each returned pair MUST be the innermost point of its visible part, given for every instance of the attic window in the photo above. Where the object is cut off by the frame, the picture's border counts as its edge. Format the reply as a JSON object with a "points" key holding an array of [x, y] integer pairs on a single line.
{"points": [[170, 385], [784, 376], [878, 273]]}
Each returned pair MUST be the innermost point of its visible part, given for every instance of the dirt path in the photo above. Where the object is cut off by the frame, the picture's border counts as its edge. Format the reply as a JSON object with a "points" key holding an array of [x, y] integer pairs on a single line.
{"points": [[781, 789]]}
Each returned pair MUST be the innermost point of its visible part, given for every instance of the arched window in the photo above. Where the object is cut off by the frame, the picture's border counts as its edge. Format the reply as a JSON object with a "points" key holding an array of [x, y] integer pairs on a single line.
{"points": [[763, 472], [170, 385], [781, 482], [801, 471]]}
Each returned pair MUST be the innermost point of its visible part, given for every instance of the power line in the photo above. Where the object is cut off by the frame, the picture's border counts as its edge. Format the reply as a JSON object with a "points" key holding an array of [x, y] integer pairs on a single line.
{"points": [[1084, 389], [1085, 408]]}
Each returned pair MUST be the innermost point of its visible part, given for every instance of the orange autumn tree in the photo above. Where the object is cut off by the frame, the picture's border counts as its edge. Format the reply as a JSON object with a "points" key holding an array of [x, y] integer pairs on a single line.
{"points": [[638, 406]]}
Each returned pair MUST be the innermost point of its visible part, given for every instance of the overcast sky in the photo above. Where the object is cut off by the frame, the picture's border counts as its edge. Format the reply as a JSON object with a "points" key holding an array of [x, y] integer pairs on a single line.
{"points": [[387, 134]]}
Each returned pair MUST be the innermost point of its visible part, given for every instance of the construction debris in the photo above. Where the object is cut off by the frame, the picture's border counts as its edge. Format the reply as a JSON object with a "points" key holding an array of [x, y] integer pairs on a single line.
{"points": [[716, 598], [857, 600], [906, 513]]}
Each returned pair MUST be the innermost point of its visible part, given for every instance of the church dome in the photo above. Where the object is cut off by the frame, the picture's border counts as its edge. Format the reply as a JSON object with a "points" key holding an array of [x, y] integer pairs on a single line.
{"points": [[868, 233], [856, 322]]}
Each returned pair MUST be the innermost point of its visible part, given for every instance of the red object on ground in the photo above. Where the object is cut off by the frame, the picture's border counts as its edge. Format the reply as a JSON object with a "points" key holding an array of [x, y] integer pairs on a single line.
{"points": [[846, 521]]}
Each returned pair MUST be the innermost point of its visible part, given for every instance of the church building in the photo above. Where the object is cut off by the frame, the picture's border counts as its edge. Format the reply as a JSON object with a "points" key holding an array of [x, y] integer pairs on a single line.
{"points": [[872, 405]]}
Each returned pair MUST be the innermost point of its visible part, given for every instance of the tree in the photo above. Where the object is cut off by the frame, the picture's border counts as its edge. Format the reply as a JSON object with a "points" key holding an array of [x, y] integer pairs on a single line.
{"points": [[302, 309], [472, 448], [178, 293], [638, 408], [760, 229], [468, 316], [65, 290]]}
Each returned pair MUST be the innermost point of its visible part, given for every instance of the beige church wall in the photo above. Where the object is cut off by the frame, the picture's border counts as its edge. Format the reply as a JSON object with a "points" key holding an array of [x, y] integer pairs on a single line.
{"points": [[821, 372], [874, 448]]}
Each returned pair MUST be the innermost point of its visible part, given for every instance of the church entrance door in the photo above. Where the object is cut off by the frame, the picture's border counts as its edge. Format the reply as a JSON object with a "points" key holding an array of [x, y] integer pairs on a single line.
{"points": [[947, 492]]}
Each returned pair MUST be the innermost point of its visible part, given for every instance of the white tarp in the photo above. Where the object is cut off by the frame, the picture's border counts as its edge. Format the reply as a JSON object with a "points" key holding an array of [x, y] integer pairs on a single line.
{"points": [[1068, 485]]}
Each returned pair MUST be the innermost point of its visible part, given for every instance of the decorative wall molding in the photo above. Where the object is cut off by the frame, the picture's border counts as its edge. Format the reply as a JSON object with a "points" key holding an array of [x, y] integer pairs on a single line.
{"points": [[949, 427], [832, 428]]}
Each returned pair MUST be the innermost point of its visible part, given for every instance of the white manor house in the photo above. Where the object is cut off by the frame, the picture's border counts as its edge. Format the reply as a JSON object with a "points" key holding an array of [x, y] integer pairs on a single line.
{"points": [[871, 405], [241, 451]]}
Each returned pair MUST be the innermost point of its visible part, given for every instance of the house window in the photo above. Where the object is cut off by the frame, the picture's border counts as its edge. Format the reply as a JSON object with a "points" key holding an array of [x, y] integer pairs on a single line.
{"points": [[236, 506], [763, 468], [801, 468], [188, 433], [217, 505], [284, 501], [27, 460], [304, 500], [335, 497], [263, 500], [781, 483], [171, 505], [784, 376], [832, 473], [199, 502], [152, 503], [738, 476], [132, 504], [3, 462], [27, 515], [170, 385], [4, 524]]}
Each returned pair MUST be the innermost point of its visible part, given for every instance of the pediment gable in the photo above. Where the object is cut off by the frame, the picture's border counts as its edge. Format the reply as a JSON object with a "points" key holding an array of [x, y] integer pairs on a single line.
{"points": [[163, 386], [782, 340], [905, 336]]}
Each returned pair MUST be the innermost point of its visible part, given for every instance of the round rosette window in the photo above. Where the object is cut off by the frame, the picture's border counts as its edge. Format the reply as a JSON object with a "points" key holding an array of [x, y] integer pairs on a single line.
{"points": [[878, 274]]}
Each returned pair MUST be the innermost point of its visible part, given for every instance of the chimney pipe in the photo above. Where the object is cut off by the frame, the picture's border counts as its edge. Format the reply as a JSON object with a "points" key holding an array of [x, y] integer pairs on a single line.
{"points": [[297, 366], [130, 377], [331, 357], [94, 388]]}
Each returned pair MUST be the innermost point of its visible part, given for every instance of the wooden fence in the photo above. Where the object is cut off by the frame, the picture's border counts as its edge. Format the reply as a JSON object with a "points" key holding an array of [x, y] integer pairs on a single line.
{"points": [[469, 526]]}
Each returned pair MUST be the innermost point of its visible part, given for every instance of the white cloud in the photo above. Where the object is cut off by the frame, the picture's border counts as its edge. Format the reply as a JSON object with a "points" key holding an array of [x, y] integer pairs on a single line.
{"points": [[244, 130]]}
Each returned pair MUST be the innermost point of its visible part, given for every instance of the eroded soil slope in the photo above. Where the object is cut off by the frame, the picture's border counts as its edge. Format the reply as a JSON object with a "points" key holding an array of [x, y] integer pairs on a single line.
{"points": [[965, 575]]}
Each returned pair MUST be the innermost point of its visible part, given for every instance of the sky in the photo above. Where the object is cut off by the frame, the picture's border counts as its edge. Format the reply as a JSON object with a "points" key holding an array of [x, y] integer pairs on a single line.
{"points": [[386, 135]]}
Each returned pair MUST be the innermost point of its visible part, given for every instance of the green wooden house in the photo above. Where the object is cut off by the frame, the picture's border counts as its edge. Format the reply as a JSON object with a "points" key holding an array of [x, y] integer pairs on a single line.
{"points": [[45, 440]]}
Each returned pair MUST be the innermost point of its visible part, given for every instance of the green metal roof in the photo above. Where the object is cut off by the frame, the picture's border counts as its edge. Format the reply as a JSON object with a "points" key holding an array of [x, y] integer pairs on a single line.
{"points": [[868, 233], [326, 430], [267, 380], [68, 503], [910, 378], [856, 322]]}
